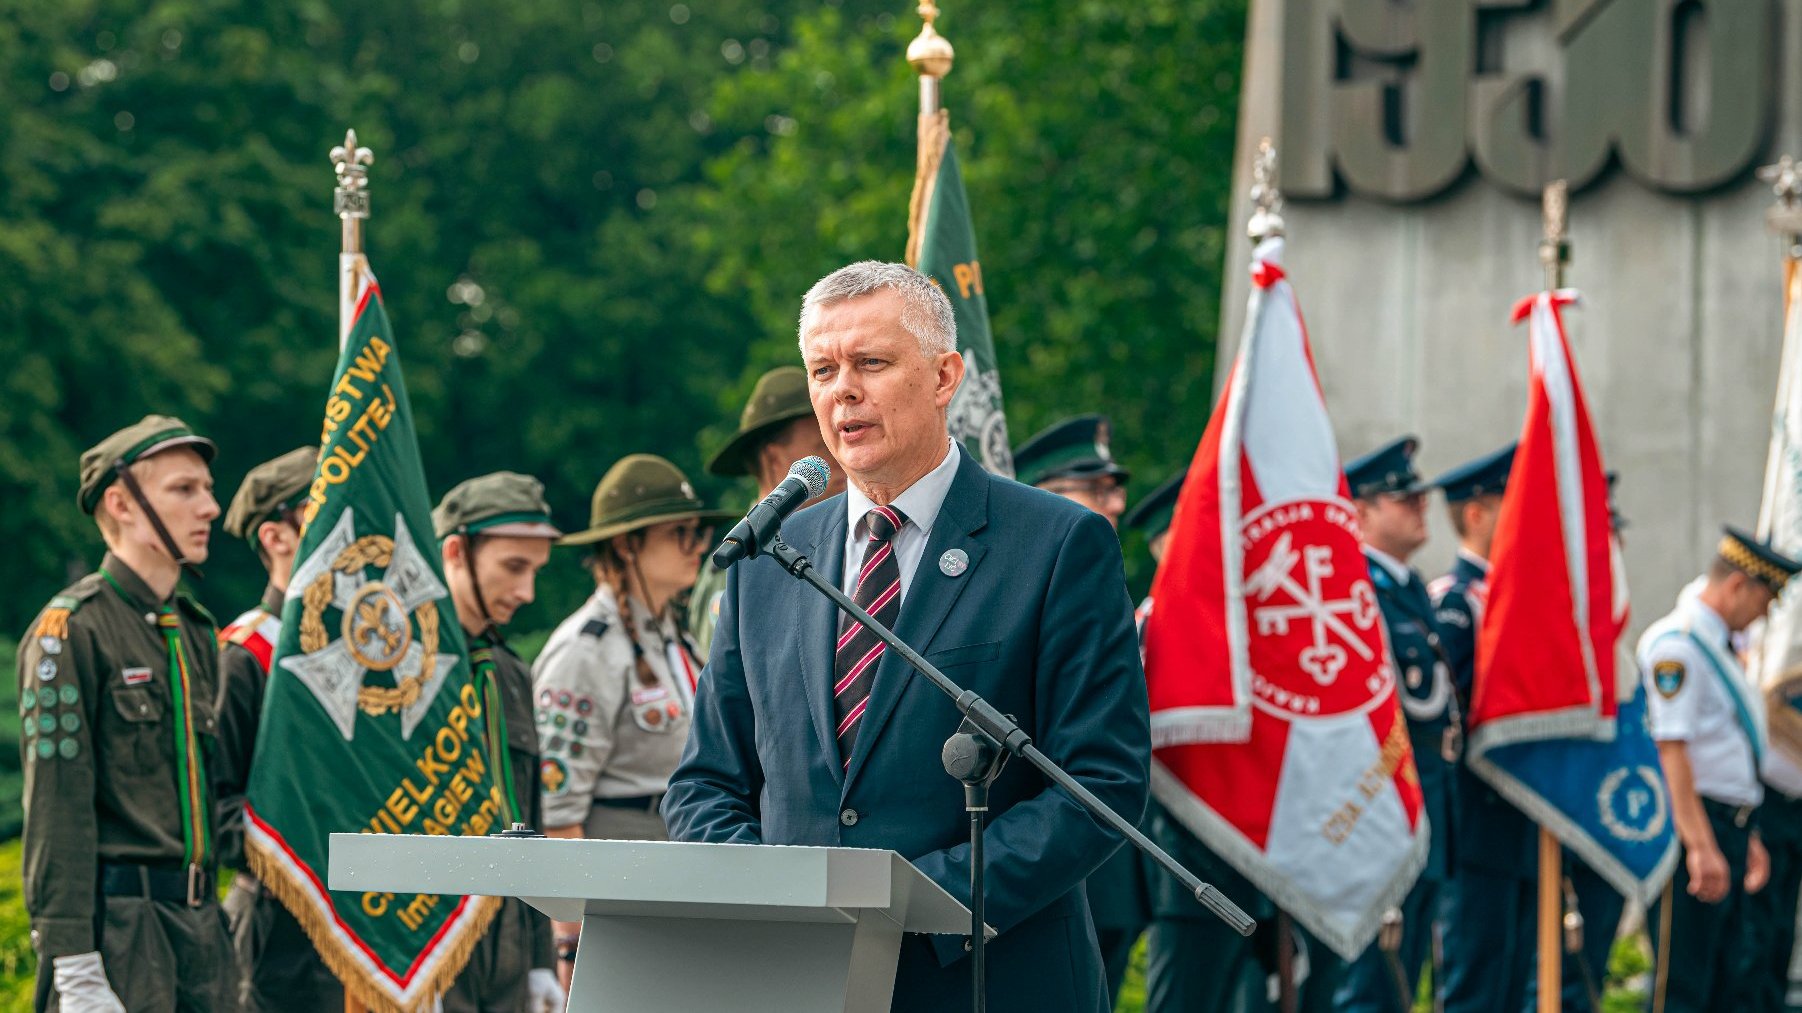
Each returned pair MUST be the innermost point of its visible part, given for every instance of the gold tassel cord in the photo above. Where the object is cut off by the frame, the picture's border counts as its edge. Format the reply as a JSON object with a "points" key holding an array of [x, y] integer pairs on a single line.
{"points": [[935, 134], [274, 876], [54, 623]]}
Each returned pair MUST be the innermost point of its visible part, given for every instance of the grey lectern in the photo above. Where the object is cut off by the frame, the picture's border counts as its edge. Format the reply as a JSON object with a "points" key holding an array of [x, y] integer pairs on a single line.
{"points": [[673, 927]]}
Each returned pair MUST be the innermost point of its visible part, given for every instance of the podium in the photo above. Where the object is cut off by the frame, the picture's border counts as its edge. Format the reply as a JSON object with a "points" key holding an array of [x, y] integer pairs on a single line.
{"points": [[678, 927]]}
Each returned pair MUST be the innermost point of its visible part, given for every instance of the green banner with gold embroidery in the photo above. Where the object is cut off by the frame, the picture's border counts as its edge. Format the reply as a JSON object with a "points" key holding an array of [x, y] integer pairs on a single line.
{"points": [[372, 721]]}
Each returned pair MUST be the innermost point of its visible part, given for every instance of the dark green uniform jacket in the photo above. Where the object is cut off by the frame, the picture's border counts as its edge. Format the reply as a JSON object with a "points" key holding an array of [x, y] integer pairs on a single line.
{"points": [[98, 745]]}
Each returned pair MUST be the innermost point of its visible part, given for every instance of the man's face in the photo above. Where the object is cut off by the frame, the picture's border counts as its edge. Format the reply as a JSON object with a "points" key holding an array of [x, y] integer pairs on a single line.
{"points": [[505, 567], [1480, 515], [1103, 494], [1748, 600], [1394, 523], [179, 486], [880, 400], [799, 439]]}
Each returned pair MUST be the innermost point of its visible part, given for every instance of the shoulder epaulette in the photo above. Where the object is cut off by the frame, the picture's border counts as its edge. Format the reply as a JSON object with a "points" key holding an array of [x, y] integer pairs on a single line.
{"points": [[54, 620], [594, 628]]}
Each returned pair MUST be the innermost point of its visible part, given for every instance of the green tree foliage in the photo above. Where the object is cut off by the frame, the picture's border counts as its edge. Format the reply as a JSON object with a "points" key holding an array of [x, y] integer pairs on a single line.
{"points": [[592, 222]]}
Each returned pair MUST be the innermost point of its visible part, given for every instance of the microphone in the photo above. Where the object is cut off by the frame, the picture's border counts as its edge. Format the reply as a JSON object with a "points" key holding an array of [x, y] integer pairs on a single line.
{"points": [[806, 480]]}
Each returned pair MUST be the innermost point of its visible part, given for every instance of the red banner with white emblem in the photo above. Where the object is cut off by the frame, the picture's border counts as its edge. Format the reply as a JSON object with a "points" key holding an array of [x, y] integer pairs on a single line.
{"points": [[1277, 734]]}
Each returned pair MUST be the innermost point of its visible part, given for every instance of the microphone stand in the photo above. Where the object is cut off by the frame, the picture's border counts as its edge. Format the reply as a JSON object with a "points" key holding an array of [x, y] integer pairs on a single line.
{"points": [[976, 760], [1004, 733]]}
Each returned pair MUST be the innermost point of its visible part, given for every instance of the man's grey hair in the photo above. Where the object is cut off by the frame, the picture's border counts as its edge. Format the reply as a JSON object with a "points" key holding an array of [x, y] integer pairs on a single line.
{"points": [[925, 312]]}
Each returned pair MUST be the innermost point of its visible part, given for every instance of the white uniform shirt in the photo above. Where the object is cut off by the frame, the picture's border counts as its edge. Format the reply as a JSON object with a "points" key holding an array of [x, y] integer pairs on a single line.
{"points": [[1687, 702], [920, 504]]}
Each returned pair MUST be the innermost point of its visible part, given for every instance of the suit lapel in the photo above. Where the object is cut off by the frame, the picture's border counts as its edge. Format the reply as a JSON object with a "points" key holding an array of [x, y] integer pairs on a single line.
{"points": [[819, 629], [930, 596]]}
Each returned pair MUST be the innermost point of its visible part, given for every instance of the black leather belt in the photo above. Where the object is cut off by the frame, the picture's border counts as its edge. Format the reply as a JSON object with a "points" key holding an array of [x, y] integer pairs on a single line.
{"points": [[639, 803], [1738, 815], [191, 886]]}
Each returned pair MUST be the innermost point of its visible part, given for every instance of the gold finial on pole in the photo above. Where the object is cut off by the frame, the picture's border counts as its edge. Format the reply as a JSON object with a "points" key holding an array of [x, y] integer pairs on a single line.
{"points": [[350, 202], [1266, 200], [1785, 218], [1554, 249], [930, 55]]}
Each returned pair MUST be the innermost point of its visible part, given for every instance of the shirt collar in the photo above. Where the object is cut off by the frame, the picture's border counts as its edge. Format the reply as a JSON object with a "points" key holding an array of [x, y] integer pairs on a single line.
{"points": [[272, 600], [1397, 569], [920, 502], [1472, 559], [129, 582], [1705, 622]]}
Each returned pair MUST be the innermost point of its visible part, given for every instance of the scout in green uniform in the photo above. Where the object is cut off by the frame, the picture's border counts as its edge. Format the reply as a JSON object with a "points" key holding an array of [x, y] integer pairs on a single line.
{"points": [[117, 682], [1072, 458], [497, 534], [776, 429], [1193, 960], [1709, 722], [278, 968]]}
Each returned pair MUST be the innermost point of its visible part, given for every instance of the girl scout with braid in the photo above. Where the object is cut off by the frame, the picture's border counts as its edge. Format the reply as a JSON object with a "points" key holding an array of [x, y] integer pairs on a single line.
{"points": [[616, 680], [117, 679], [496, 534]]}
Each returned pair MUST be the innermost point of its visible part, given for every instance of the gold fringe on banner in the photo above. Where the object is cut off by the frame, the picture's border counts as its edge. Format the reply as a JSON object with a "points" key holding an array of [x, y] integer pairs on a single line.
{"points": [[274, 876], [935, 133]]}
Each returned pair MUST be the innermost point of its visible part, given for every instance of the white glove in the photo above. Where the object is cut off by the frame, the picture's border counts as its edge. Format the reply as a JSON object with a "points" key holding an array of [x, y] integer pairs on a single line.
{"points": [[81, 985], [547, 995]]}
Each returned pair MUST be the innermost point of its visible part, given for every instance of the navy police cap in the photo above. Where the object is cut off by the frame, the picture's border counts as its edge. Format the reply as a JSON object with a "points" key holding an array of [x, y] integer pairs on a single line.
{"points": [[1387, 469], [1155, 511], [1484, 476], [1757, 559]]}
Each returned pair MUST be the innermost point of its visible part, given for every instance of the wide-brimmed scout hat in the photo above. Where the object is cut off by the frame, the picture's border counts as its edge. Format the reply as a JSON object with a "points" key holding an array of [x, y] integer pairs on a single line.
{"points": [[779, 398], [144, 438], [504, 503], [637, 492], [269, 490]]}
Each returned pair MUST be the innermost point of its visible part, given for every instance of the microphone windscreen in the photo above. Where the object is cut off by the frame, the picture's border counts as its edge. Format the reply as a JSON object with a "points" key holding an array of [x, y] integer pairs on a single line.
{"points": [[814, 472]]}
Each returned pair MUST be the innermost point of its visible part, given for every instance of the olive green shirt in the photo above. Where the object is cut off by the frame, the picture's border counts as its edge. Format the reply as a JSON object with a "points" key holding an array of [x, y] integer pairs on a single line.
{"points": [[98, 745], [241, 682], [514, 680], [704, 607]]}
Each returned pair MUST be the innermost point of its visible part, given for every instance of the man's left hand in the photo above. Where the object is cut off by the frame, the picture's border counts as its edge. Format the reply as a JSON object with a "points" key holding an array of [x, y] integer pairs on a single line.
{"points": [[1758, 865]]}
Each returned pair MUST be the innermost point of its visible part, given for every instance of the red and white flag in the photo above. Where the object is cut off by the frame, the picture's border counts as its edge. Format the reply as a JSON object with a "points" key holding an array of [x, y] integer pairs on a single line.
{"points": [[1552, 565], [1277, 736]]}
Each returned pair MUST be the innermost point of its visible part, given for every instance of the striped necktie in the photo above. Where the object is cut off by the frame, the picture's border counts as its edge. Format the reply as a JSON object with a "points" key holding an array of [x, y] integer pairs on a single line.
{"points": [[878, 592]]}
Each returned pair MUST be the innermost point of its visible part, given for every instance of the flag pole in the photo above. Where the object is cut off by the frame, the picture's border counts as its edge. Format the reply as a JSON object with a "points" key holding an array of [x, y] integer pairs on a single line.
{"points": [[1785, 219], [1554, 255], [350, 202], [930, 55]]}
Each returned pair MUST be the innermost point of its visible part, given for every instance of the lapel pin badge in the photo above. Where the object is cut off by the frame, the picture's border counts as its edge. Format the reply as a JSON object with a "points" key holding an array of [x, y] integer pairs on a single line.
{"points": [[954, 562]]}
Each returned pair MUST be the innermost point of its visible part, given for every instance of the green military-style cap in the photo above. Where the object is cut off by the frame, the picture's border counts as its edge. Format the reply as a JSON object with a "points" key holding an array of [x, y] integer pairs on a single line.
{"points": [[637, 492], [269, 490], [1073, 448], [1154, 513], [779, 398], [144, 438], [504, 503]]}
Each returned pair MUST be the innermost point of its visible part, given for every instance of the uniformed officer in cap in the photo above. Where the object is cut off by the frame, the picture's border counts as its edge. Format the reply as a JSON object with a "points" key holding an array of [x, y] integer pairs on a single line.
{"points": [[1194, 961], [117, 682], [278, 968], [1708, 720], [776, 429], [496, 534], [1391, 503], [1490, 896], [1073, 459], [616, 680]]}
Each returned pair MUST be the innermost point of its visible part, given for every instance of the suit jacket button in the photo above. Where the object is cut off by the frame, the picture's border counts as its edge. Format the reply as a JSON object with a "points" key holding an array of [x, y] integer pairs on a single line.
{"points": [[848, 817]]}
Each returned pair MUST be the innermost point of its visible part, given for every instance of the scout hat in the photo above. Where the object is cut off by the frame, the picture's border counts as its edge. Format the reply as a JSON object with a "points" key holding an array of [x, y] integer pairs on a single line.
{"points": [[270, 490], [504, 503], [1073, 448], [150, 435], [1484, 476], [1154, 513], [779, 398], [1388, 468], [637, 492], [1757, 559]]}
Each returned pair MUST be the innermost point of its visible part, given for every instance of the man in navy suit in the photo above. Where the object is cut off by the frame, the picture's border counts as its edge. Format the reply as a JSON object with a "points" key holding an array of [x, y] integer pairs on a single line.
{"points": [[807, 732]]}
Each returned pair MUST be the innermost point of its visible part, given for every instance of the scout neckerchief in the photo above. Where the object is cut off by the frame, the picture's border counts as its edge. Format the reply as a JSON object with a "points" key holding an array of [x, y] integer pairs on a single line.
{"points": [[481, 658], [1744, 704], [190, 766]]}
